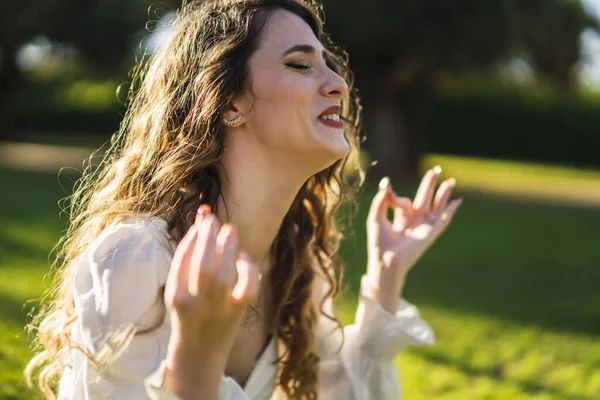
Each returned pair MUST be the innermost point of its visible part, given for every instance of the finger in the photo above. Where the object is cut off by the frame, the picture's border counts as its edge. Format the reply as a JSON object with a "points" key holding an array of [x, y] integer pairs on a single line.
{"points": [[442, 196], [202, 211], [179, 272], [381, 202], [402, 212], [447, 216], [246, 288], [227, 248], [203, 258], [424, 196], [442, 223]]}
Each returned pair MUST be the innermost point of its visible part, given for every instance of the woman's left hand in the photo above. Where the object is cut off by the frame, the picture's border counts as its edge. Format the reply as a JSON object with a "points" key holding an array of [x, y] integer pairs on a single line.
{"points": [[393, 247]]}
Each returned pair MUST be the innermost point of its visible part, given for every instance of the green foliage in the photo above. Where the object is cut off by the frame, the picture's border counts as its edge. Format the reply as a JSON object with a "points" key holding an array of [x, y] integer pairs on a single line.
{"points": [[535, 123], [421, 38], [416, 36], [477, 118], [510, 290], [23, 20], [114, 27], [81, 105], [552, 37], [105, 33]]}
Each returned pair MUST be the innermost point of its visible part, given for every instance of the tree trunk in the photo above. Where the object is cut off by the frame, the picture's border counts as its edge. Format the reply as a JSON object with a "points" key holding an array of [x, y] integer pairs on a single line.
{"points": [[395, 120], [415, 103]]}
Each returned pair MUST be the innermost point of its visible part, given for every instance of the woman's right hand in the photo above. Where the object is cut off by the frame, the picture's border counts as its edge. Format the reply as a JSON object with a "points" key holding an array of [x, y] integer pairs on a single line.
{"points": [[209, 287]]}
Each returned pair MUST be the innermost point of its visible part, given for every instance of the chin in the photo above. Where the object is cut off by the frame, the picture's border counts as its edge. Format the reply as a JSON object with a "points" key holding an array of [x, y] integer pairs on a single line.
{"points": [[334, 151], [327, 147], [333, 140], [338, 146], [342, 151]]}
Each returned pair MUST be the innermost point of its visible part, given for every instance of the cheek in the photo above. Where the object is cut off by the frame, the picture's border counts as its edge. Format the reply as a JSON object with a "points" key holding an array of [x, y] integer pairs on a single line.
{"points": [[285, 96], [284, 109], [299, 92]]}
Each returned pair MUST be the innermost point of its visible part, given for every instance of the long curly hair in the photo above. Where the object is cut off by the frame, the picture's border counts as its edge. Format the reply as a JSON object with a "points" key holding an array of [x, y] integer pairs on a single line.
{"points": [[164, 162]]}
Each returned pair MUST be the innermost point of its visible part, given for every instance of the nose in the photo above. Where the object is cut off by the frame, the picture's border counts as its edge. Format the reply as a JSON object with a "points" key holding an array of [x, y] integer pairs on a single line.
{"points": [[334, 85]]}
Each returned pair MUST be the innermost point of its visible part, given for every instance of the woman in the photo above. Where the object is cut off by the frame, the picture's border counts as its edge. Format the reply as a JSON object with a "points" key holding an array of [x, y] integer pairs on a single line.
{"points": [[200, 261]]}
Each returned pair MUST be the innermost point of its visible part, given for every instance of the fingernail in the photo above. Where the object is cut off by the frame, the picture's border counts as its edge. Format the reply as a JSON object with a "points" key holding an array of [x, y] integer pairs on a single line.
{"points": [[384, 183], [451, 181], [437, 170], [202, 212], [203, 209]]}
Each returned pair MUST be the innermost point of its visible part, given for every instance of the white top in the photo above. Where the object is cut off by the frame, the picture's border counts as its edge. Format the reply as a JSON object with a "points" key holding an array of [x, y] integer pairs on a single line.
{"points": [[117, 282]]}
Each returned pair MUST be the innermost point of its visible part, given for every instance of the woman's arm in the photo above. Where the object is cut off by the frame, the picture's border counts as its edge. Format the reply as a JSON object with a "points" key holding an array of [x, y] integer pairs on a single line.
{"points": [[117, 284], [365, 367], [385, 324], [188, 375]]}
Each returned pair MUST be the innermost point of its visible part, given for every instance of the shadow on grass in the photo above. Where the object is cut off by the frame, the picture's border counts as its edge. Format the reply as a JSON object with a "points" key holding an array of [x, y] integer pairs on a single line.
{"points": [[529, 263], [526, 386], [32, 197], [12, 247], [13, 313]]}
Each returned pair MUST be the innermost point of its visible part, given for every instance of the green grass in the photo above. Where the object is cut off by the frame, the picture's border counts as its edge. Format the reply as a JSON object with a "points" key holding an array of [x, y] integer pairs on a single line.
{"points": [[510, 289], [521, 179]]}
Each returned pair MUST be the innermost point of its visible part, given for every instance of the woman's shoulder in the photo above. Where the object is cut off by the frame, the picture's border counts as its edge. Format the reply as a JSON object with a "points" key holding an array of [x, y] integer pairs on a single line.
{"points": [[118, 278], [126, 250], [139, 234]]}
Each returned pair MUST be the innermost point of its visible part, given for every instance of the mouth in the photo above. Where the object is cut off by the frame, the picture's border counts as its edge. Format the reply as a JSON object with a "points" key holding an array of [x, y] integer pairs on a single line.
{"points": [[331, 117]]}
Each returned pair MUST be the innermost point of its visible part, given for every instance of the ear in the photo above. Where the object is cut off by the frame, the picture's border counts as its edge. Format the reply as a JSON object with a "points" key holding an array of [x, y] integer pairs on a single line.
{"points": [[233, 115]]}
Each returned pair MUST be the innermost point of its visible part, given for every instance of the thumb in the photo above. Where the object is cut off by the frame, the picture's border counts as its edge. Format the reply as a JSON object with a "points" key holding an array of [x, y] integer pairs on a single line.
{"points": [[381, 201]]}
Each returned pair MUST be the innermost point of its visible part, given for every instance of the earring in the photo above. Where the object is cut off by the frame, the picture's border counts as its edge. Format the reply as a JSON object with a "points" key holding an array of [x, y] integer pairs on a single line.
{"points": [[231, 122]]}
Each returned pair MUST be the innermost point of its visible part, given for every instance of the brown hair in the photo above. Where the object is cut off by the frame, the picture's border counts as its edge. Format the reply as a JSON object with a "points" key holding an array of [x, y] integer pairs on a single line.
{"points": [[164, 162]]}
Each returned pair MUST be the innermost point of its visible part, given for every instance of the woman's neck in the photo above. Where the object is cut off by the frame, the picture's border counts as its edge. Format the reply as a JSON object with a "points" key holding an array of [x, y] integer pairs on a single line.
{"points": [[258, 190]]}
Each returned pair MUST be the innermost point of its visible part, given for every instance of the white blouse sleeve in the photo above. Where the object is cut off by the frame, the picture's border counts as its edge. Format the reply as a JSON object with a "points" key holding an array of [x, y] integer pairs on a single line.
{"points": [[365, 368], [117, 284]]}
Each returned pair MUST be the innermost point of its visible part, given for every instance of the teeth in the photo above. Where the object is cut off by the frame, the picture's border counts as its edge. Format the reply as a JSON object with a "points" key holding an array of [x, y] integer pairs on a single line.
{"points": [[334, 117]]}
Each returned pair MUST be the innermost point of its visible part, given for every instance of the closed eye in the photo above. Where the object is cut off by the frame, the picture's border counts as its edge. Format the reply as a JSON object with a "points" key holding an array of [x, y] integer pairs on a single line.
{"points": [[310, 50], [299, 66]]}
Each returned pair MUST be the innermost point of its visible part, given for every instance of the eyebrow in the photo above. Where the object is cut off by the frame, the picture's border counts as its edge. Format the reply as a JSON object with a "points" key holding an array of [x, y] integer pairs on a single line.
{"points": [[303, 48]]}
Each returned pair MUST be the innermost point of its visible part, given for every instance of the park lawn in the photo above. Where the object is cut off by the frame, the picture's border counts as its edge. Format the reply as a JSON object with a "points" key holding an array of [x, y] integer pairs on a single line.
{"points": [[502, 178], [510, 289]]}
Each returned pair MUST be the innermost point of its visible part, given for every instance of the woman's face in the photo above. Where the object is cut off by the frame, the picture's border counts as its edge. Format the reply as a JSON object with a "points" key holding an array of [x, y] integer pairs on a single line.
{"points": [[293, 109]]}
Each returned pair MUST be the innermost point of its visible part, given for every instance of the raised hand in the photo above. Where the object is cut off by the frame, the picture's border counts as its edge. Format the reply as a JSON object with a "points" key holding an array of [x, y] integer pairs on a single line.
{"points": [[209, 287], [395, 246]]}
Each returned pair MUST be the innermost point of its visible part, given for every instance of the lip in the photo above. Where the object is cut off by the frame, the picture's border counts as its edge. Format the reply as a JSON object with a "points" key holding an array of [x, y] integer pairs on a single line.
{"points": [[331, 110], [329, 122]]}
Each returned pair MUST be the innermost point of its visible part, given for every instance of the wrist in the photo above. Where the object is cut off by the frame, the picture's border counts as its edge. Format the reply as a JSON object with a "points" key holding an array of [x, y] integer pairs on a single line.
{"points": [[191, 371], [190, 352], [387, 295]]}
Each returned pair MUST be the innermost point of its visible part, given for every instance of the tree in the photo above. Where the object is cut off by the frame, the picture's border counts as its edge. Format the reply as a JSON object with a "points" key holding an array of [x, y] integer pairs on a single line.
{"points": [[399, 49], [24, 21], [102, 31], [552, 38]]}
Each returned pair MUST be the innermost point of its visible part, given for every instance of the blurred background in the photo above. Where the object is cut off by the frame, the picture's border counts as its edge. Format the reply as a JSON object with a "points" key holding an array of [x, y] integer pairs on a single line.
{"points": [[504, 95]]}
